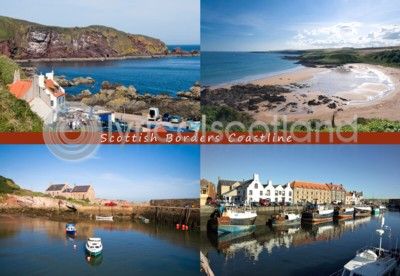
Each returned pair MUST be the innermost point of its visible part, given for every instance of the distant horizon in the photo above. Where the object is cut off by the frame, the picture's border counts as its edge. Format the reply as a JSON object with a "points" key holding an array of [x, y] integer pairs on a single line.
{"points": [[362, 168], [261, 25], [155, 18]]}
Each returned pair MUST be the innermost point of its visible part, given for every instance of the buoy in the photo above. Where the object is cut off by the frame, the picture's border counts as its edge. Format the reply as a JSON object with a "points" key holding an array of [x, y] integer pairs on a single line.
{"points": [[178, 226], [88, 258], [183, 227], [74, 246]]}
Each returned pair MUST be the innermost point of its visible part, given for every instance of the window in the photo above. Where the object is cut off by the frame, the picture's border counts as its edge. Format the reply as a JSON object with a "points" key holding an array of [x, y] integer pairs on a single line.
{"points": [[51, 103], [268, 192], [251, 192], [204, 191], [261, 193], [290, 193], [276, 193], [256, 186], [280, 192]]}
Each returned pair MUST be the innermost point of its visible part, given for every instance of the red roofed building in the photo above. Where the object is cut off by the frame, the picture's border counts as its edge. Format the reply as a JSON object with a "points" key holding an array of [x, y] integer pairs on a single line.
{"points": [[338, 193], [22, 89]]}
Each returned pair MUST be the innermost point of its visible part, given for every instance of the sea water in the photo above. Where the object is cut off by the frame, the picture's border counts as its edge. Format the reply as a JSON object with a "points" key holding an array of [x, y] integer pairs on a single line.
{"points": [[218, 68], [167, 75]]}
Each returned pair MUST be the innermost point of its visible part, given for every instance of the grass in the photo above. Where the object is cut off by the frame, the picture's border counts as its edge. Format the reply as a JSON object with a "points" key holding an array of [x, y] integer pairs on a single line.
{"points": [[16, 115], [7, 185]]}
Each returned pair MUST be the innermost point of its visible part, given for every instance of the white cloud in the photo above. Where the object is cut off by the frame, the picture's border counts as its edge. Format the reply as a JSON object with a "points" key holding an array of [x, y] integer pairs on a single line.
{"points": [[347, 34]]}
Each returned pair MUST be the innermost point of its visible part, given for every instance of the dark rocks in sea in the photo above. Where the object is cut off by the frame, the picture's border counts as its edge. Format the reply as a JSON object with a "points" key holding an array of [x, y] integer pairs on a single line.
{"points": [[244, 97]]}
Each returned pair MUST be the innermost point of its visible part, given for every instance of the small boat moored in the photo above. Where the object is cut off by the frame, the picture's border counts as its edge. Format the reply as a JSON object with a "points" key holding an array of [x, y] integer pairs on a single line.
{"points": [[362, 211], [343, 213], [70, 229], [93, 246], [232, 220], [100, 218], [317, 214], [285, 219]]}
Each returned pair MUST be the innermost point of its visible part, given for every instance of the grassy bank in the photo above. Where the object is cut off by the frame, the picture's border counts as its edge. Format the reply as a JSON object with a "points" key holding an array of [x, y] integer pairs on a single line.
{"points": [[336, 57], [15, 115]]}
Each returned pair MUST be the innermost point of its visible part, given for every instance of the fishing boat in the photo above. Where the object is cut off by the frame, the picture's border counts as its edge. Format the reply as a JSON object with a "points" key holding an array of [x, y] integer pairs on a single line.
{"points": [[285, 219], [94, 247], [362, 211], [343, 213], [232, 220], [373, 260], [100, 218], [70, 229], [317, 214], [376, 210]]}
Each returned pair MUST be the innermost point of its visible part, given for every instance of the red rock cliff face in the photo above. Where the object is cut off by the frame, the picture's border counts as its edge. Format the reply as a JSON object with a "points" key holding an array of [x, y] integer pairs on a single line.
{"points": [[25, 40]]}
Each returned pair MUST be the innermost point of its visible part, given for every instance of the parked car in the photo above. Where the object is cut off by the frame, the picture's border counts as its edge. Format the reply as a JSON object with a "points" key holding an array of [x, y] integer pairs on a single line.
{"points": [[166, 117], [264, 202], [175, 119], [255, 204]]}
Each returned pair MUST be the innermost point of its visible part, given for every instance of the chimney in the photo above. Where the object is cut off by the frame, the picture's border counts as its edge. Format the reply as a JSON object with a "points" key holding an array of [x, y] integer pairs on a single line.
{"points": [[17, 76], [256, 177]]}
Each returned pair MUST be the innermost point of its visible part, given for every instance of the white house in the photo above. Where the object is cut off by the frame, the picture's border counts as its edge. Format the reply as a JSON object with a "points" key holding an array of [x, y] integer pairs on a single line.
{"points": [[53, 90], [253, 190]]}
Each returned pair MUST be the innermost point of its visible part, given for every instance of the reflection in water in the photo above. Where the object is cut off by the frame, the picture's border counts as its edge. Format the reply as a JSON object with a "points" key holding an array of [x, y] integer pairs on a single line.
{"points": [[39, 246], [252, 244]]}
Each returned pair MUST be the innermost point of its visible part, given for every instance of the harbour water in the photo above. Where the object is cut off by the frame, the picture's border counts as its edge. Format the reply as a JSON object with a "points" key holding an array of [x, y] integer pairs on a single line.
{"points": [[37, 246], [148, 75], [303, 250], [219, 68]]}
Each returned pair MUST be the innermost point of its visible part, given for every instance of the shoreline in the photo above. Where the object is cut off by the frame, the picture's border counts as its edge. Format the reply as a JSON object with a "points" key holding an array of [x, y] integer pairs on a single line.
{"points": [[33, 60]]}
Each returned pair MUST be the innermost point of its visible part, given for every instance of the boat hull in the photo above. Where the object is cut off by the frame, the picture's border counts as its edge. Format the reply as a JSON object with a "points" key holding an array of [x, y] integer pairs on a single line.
{"points": [[362, 213], [341, 214], [93, 253], [314, 217], [70, 232], [231, 225]]}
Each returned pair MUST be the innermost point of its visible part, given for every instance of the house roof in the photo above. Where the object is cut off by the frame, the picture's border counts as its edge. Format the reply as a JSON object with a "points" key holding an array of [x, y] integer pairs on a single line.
{"points": [[336, 187], [309, 185], [20, 88], [223, 182], [55, 187], [55, 89], [80, 189]]}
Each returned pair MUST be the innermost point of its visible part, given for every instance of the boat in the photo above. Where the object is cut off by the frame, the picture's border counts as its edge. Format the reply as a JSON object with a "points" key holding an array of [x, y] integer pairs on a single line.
{"points": [[93, 246], [362, 211], [376, 210], [144, 220], [285, 219], [71, 207], [374, 260], [70, 229], [382, 207], [232, 220], [343, 213], [317, 214], [100, 218]]}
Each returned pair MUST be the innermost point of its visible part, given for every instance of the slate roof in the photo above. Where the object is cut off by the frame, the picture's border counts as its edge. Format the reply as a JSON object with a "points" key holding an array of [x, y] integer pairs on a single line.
{"points": [[80, 189], [55, 187], [223, 182]]}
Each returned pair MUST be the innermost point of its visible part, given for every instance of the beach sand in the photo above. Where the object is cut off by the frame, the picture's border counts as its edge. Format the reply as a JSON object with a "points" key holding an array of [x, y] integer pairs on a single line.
{"points": [[297, 107]]}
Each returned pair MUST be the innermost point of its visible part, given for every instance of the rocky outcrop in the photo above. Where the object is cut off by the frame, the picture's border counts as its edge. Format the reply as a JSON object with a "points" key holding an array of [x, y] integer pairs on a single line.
{"points": [[125, 99], [61, 80], [26, 40]]}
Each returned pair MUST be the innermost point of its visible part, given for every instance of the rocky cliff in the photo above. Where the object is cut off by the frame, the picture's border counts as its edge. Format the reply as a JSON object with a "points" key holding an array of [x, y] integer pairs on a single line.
{"points": [[26, 40]]}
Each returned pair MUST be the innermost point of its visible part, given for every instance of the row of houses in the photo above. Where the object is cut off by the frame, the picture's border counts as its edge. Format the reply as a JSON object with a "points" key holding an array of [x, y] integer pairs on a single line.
{"points": [[295, 192], [83, 192], [43, 94]]}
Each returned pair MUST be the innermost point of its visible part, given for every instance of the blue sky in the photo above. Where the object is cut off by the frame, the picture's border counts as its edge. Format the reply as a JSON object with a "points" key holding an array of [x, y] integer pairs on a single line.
{"points": [[172, 21], [243, 25], [371, 169], [131, 172]]}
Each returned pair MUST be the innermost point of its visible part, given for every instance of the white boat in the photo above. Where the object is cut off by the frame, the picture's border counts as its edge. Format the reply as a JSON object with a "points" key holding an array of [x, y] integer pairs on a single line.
{"points": [[231, 221], [110, 218], [362, 211], [286, 219], [94, 246], [373, 261]]}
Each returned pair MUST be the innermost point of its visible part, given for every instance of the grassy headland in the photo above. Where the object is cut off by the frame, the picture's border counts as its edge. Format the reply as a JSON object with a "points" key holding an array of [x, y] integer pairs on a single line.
{"points": [[21, 39], [15, 114], [337, 57]]}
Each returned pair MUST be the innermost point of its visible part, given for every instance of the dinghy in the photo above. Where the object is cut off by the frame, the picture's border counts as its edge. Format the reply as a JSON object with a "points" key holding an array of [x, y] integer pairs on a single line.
{"points": [[100, 218], [94, 246], [70, 229]]}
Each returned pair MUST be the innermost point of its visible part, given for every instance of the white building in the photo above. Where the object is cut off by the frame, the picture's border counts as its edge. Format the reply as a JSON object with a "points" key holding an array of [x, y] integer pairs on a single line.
{"points": [[53, 90], [253, 190]]}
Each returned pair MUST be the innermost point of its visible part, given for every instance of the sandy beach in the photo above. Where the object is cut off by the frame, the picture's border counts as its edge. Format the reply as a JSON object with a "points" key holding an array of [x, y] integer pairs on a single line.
{"points": [[368, 100]]}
